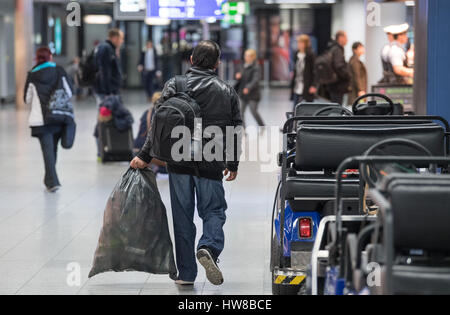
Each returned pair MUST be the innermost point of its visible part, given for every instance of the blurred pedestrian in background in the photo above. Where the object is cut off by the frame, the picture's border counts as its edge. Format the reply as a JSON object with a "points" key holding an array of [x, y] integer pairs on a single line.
{"points": [[248, 86], [108, 79], [109, 74], [385, 53], [73, 71], [398, 71], [148, 66], [47, 92], [358, 72], [303, 85], [337, 90], [144, 128]]}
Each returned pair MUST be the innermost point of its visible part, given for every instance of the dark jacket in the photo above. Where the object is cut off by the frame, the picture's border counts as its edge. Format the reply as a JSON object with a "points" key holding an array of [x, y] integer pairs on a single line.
{"points": [[341, 68], [251, 75], [359, 78], [142, 59], [41, 82], [109, 75], [123, 119], [308, 76], [219, 105]]}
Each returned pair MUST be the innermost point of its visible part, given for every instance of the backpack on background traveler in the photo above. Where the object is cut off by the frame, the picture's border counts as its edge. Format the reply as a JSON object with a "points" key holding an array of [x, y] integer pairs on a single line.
{"points": [[60, 110], [324, 69], [181, 110], [88, 70]]}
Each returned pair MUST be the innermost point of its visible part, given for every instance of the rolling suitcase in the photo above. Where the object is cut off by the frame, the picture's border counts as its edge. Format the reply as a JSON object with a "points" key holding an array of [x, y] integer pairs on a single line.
{"points": [[114, 145]]}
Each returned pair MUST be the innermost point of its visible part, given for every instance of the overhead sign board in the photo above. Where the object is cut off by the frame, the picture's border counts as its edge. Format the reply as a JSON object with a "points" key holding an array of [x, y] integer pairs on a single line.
{"points": [[185, 9], [133, 10]]}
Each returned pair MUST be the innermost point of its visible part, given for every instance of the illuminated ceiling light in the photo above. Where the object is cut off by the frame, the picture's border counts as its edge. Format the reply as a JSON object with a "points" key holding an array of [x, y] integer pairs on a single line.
{"points": [[157, 21], [97, 19]]}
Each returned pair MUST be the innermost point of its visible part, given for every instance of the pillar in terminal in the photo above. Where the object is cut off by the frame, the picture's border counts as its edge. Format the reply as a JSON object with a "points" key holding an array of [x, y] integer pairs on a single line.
{"points": [[438, 51], [23, 45]]}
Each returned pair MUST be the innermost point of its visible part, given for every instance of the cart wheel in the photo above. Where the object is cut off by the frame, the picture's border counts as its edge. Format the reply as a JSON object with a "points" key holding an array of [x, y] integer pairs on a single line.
{"points": [[280, 289]]}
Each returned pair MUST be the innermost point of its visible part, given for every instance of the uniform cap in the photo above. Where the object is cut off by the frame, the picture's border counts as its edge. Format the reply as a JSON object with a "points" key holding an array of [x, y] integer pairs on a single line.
{"points": [[397, 29]]}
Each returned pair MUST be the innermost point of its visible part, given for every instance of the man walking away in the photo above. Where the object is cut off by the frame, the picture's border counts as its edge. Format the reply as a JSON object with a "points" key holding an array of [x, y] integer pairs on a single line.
{"points": [[108, 79], [202, 185], [337, 90], [148, 66]]}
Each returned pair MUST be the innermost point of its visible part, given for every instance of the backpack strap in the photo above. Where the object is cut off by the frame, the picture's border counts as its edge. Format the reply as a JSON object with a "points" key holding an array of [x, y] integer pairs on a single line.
{"points": [[181, 83]]}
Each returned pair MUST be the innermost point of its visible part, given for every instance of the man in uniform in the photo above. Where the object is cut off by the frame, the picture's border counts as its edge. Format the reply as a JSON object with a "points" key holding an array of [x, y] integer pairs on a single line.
{"points": [[385, 53], [397, 63]]}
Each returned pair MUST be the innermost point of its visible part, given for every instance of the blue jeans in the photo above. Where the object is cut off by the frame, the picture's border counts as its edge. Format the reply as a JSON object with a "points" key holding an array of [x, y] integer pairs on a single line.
{"points": [[149, 84], [211, 207], [297, 99], [49, 145]]}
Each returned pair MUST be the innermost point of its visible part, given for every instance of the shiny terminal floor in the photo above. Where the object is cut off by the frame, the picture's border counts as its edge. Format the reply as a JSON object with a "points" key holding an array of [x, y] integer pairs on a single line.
{"points": [[43, 236]]}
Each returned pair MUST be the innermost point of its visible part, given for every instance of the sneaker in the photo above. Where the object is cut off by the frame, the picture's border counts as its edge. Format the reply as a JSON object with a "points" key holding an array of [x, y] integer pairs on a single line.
{"points": [[213, 272], [53, 189], [182, 282]]}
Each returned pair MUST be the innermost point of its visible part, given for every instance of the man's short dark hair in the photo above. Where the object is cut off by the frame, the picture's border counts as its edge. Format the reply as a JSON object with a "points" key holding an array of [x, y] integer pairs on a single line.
{"points": [[114, 32], [357, 45], [206, 54]]}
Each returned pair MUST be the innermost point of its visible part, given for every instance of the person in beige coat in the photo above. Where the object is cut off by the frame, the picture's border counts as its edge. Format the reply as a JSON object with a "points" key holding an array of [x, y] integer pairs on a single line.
{"points": [[358, 72]]}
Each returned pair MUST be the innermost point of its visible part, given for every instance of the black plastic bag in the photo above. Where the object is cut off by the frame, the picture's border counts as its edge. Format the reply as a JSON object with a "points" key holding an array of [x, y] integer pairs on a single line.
{"points": [[135, 234]]}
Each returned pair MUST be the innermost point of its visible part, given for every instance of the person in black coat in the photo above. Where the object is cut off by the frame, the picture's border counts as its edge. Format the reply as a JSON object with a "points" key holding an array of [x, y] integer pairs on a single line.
{"points": [[108, 79], [200, 185], [148, 66], [248, 86], [303, 84], [337, 90]]}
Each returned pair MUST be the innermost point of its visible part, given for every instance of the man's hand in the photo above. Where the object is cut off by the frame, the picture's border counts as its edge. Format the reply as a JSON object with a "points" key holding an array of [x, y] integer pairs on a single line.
{"points": [[232, 176], [361, 93], [140, 68], [238, 76], [312, 90], [137, 163], [246, 91]]}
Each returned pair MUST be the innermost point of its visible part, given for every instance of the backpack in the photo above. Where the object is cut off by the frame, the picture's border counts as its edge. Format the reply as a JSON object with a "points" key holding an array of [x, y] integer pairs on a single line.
{"points": [[181, 110], [324, 69], [88, 70], [60, 107]]}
